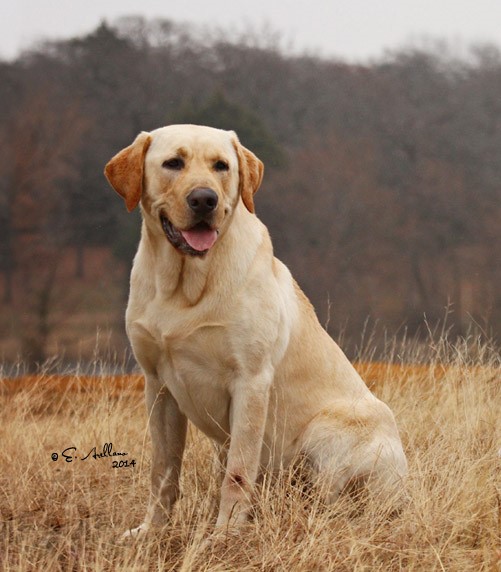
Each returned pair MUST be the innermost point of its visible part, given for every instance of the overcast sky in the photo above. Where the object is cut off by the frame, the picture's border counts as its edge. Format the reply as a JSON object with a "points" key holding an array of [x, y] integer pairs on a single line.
{"points": [[349, 29]]}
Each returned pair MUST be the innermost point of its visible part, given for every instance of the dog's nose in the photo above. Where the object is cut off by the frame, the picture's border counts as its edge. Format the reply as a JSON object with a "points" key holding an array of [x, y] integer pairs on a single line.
{"points": [[202, 201]]}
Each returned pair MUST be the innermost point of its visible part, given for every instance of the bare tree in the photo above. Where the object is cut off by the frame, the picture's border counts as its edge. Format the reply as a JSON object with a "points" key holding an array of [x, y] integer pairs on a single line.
{"points": [[40, 145]]}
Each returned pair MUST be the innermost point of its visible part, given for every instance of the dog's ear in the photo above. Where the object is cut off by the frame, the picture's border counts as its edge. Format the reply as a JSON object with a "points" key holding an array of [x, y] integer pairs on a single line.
{"points": [[250, 173], [125, 170]]}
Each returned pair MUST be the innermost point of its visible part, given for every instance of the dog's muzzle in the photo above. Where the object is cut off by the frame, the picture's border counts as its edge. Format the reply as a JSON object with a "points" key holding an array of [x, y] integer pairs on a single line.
{"points": [[200, 238]]}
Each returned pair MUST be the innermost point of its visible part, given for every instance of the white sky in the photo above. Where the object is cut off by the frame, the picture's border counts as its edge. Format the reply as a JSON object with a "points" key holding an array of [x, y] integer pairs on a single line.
{"points": [[349, 29]]}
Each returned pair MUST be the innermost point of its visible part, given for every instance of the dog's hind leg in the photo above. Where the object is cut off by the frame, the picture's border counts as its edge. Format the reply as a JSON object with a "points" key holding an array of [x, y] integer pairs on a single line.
{"points": [[344, 454]]}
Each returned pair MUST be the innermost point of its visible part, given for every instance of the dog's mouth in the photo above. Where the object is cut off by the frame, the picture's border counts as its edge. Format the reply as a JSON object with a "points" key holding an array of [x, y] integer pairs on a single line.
{"points": [[196, 241]]}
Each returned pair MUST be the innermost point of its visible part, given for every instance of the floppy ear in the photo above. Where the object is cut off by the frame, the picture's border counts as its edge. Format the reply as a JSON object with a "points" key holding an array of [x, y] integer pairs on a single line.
{"points": [[125, 170], [250, 172]]}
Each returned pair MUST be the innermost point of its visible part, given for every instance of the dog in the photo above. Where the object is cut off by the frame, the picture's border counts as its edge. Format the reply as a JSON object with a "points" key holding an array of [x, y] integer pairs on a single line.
{"points": [[227, 339]]}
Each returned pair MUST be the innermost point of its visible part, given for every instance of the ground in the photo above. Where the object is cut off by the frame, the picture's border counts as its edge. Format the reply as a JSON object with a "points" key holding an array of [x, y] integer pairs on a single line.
{"points": [[60, 512]]}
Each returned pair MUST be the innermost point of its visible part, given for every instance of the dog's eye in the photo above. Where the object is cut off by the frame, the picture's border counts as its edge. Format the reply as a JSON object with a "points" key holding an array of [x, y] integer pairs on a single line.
{"points": [[176, 164], [221, 166]]}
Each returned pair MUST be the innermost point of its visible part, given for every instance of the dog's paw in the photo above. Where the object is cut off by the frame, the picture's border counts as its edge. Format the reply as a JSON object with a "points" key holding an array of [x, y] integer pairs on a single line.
{"points": [[136, 533], [220, 538]]}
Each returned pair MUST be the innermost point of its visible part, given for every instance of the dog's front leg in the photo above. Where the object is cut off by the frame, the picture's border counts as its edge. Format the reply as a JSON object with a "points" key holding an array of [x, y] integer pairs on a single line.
{"points": [[248, 413], [168, 435]]}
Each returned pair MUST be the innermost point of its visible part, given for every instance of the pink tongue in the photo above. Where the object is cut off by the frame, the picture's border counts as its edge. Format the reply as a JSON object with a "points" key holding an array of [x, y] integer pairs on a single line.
{"points": [[200, 238]]}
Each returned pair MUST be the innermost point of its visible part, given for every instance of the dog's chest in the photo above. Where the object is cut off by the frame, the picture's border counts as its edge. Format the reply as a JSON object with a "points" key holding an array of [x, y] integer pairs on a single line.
{"points": [[198, 370]]}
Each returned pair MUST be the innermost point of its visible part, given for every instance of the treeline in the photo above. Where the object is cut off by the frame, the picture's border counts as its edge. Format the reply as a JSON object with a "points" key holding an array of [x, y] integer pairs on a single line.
{"points": [[383, 181]]}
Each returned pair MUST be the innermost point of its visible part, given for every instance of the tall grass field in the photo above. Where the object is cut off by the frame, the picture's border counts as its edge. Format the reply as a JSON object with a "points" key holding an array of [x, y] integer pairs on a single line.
{"points": [[66, 499]]}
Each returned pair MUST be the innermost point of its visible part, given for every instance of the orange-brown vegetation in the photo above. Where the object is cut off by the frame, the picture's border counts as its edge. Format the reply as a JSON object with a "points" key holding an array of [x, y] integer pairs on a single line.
{"points": [[60, 515], [381, 187]]}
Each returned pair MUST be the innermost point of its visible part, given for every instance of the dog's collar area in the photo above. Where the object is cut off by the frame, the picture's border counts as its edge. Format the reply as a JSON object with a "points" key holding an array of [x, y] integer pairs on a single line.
{"points": [[202, 237]]}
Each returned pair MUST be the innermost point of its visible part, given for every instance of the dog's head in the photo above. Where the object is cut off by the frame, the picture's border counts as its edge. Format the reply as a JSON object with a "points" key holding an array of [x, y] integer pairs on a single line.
{"points": [[189, 180]]}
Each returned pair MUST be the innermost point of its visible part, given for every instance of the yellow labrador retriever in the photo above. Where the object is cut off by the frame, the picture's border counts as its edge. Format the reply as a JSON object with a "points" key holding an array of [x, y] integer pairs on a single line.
{"points": [[225, 336]]}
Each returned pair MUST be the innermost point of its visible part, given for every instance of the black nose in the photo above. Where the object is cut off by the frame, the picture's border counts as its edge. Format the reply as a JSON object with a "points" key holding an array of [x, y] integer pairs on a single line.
{"points": [[202, 201]]}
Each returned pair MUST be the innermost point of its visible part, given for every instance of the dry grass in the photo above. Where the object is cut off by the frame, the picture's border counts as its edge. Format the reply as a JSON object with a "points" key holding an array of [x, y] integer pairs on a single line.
{"points": [[70, 516]]}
